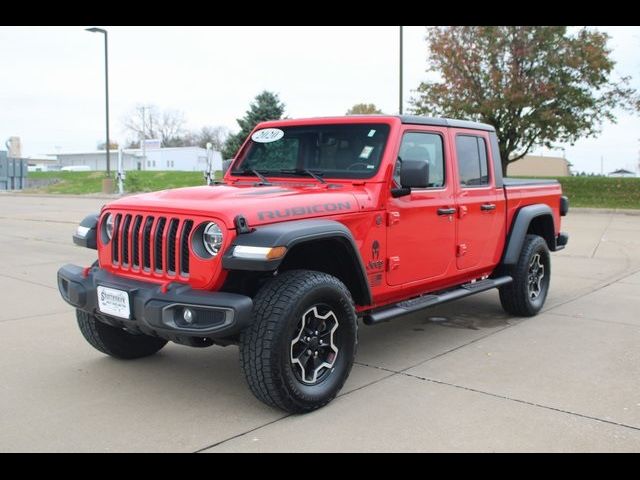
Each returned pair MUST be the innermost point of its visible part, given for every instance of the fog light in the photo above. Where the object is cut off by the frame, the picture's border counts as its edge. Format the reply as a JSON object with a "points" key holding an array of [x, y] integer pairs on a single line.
{"points": [[188, 315]]}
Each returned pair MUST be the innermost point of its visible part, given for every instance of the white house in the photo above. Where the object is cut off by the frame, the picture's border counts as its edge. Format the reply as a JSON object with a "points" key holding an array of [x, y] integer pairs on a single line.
{"points": [[177, 158], [191, 159]]}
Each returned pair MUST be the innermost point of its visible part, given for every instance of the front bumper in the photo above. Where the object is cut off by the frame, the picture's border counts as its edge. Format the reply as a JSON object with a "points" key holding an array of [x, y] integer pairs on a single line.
{"points": [[156, 310]]}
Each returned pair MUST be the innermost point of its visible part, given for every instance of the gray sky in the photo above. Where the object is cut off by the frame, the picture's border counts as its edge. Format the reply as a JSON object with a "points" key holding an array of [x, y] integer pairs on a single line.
{"points": [[52, 81]]}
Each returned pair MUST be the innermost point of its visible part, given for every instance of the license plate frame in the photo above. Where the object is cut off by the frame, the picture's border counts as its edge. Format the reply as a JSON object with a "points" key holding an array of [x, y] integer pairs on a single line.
{"points": [[114, 302]]}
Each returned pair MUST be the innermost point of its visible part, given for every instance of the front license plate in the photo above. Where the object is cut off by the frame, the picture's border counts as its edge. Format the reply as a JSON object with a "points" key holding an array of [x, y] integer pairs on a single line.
{"points": [[114, 302]]}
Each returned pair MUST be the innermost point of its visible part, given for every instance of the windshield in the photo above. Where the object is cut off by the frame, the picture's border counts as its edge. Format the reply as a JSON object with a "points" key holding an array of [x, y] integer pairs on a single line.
{"points": [[334, 151]]}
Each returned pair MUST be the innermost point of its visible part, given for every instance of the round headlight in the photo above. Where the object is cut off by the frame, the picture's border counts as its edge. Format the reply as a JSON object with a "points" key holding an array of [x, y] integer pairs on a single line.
{"points": [[109, 223], [212, 238]]}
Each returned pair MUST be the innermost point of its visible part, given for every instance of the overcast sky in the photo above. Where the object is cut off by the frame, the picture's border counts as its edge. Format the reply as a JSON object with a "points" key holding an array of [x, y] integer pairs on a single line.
{"points": [[52, 80]]}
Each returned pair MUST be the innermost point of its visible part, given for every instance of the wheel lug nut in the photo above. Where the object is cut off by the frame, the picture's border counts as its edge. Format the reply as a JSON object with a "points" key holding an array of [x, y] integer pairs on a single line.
{"points": [[315, 354], [309, 352]]}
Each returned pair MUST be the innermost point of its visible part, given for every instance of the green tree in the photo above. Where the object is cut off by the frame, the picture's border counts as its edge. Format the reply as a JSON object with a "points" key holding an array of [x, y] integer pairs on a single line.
{"points": [[266, 106], [363, 108], [535, 85]]}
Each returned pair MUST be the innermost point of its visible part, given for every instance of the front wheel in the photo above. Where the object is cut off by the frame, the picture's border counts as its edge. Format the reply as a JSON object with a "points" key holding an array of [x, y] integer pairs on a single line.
{"points": [[300, 348], [116, 342], [526, 295]]}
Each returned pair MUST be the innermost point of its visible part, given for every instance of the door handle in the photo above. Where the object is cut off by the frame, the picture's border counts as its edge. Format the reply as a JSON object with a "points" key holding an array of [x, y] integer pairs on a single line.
{"points": [[446, 211], [487, 206]]}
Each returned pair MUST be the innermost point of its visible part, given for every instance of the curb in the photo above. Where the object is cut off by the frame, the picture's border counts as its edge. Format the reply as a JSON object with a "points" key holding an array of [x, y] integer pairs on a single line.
{"points": [[623, 211]]}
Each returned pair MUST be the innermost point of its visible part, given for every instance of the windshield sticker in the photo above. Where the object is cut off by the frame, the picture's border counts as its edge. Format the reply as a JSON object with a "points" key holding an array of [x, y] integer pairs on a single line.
{"points": [[371, 133], [366, 152], [267, 135]]}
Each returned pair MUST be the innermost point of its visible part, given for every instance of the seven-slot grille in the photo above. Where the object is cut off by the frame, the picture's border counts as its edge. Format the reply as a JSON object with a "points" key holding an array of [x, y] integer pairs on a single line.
{"points": [[151, 243]]}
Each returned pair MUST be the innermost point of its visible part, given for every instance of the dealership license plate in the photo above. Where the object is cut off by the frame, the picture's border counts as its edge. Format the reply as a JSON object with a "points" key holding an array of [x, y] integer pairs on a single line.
{"points": [[114, 302]]}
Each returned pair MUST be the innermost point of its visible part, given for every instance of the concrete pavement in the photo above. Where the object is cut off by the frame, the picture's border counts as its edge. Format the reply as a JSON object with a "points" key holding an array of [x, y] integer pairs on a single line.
{"points": [[462, 377]]}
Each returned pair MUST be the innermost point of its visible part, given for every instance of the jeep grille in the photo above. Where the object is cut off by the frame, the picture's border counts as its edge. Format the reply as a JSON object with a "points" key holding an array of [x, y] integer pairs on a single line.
{"points": [[152, 244]]}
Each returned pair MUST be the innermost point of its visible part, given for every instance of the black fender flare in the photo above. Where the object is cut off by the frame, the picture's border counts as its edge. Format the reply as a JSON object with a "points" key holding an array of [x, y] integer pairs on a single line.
{"points": [[86, 233], [519, 228], [290, 234]]}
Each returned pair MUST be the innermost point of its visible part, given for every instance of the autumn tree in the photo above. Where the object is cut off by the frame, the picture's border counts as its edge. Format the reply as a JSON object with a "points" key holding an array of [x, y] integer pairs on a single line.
{"points": [[266, 106], [535, 85], [363, 108], [113, 145]]}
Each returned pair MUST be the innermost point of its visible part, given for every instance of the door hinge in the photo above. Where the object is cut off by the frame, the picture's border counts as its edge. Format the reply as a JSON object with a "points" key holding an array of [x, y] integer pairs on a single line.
{"points": [[393, 263], [393, 218], [461, 250]]}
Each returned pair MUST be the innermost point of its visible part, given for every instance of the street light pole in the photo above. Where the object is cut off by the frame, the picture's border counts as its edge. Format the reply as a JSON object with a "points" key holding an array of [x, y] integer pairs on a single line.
{"points": [[400, 104], [106, 88]]}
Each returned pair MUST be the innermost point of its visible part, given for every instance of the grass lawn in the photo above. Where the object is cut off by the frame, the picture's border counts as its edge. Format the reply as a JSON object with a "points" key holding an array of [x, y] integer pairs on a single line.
{"points": [[135, 181], [596, 192], [602, 192]]}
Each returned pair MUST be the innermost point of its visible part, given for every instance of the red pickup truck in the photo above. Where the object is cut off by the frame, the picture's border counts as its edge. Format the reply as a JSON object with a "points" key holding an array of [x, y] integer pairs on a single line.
{"points": [[317, 223]]}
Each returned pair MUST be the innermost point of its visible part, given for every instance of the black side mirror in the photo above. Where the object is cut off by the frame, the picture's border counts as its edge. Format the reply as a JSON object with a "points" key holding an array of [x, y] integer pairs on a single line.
{"points": [[226, 164], [413, 174]]}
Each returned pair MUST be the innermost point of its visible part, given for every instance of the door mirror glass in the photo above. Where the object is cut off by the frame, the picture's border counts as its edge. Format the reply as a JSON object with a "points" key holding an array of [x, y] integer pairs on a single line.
{"points": [[414, 174]]}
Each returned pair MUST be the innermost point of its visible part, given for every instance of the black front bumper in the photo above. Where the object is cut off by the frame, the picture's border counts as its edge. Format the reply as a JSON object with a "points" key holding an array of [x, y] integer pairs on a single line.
{"points": [[217, 315]]}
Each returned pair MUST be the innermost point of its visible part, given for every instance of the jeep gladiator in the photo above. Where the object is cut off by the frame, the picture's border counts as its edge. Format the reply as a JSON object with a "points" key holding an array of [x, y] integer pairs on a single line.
{"points": [[316, 223]]}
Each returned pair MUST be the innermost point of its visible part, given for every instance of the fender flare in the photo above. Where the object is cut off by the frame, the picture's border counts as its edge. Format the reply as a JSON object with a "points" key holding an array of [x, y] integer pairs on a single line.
{"points": [[290, 234], [519, 229]]}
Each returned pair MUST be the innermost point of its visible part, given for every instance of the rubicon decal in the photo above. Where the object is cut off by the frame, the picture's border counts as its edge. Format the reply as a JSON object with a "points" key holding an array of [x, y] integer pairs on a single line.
{"points": [[305, 210]]}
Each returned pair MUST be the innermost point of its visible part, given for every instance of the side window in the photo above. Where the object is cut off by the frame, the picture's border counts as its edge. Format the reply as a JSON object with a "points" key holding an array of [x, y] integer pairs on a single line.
{"points": [[426, 147], [472, 160]]}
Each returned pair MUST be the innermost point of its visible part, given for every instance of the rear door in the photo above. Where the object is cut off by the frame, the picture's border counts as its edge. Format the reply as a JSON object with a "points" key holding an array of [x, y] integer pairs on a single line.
{"points": [[480, 205]]}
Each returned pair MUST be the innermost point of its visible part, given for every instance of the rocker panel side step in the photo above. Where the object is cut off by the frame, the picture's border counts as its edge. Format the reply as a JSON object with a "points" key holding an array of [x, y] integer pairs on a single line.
{"points": [[415, 304]]}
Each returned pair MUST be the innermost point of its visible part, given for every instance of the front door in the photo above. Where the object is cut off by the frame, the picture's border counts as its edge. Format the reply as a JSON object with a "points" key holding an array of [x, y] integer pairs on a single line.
{"points": [[421, 225]]}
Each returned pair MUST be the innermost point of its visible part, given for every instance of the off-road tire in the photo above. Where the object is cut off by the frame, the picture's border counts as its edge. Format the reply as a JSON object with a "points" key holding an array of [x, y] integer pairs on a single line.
{"points": [[515, 297], [266, 346], [115, 341]]}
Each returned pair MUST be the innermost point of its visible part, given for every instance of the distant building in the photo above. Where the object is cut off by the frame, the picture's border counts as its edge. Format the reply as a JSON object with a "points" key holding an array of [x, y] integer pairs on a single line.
{"points": [[621, 172], [191, 159], [539, 166], [42, 163]]}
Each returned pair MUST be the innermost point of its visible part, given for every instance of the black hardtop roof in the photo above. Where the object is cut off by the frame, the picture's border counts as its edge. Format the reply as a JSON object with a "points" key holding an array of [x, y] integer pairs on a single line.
{"points": [[445, 122]]}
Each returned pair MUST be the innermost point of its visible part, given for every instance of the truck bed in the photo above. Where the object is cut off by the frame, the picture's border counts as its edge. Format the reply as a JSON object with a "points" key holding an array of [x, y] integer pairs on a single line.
{"points": [[519, 182]]}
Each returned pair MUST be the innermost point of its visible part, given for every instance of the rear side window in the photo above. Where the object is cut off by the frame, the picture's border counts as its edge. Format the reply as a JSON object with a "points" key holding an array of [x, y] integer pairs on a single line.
{"points": [[472, 160]]}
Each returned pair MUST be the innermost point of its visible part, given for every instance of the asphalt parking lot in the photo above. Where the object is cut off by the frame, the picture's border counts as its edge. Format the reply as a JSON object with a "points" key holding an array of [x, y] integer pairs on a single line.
{"points": [[462, 377]]}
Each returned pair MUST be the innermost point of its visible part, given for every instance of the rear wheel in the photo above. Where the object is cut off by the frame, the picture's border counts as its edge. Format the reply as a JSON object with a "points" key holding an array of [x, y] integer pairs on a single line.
{"points": [[115, 341], [526, 295], [300, 348]]}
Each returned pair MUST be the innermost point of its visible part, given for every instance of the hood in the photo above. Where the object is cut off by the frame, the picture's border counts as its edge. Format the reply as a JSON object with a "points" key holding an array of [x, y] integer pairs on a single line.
{"points": [[259, 205]]}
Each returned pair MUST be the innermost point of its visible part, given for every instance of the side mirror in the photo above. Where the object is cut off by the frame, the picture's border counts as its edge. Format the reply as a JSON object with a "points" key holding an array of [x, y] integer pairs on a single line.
{"points": [[413, 174], [226, 164]]}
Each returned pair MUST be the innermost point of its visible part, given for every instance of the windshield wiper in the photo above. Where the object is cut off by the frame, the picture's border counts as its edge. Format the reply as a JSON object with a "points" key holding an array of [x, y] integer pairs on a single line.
{"points": [[262, 178], [305, 171]]}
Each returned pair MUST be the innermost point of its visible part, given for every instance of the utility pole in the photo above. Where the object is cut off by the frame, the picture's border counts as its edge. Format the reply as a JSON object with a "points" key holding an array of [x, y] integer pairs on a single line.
{"points": [[601, 165], [107, 183], [400, 103], [144, 137]]}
